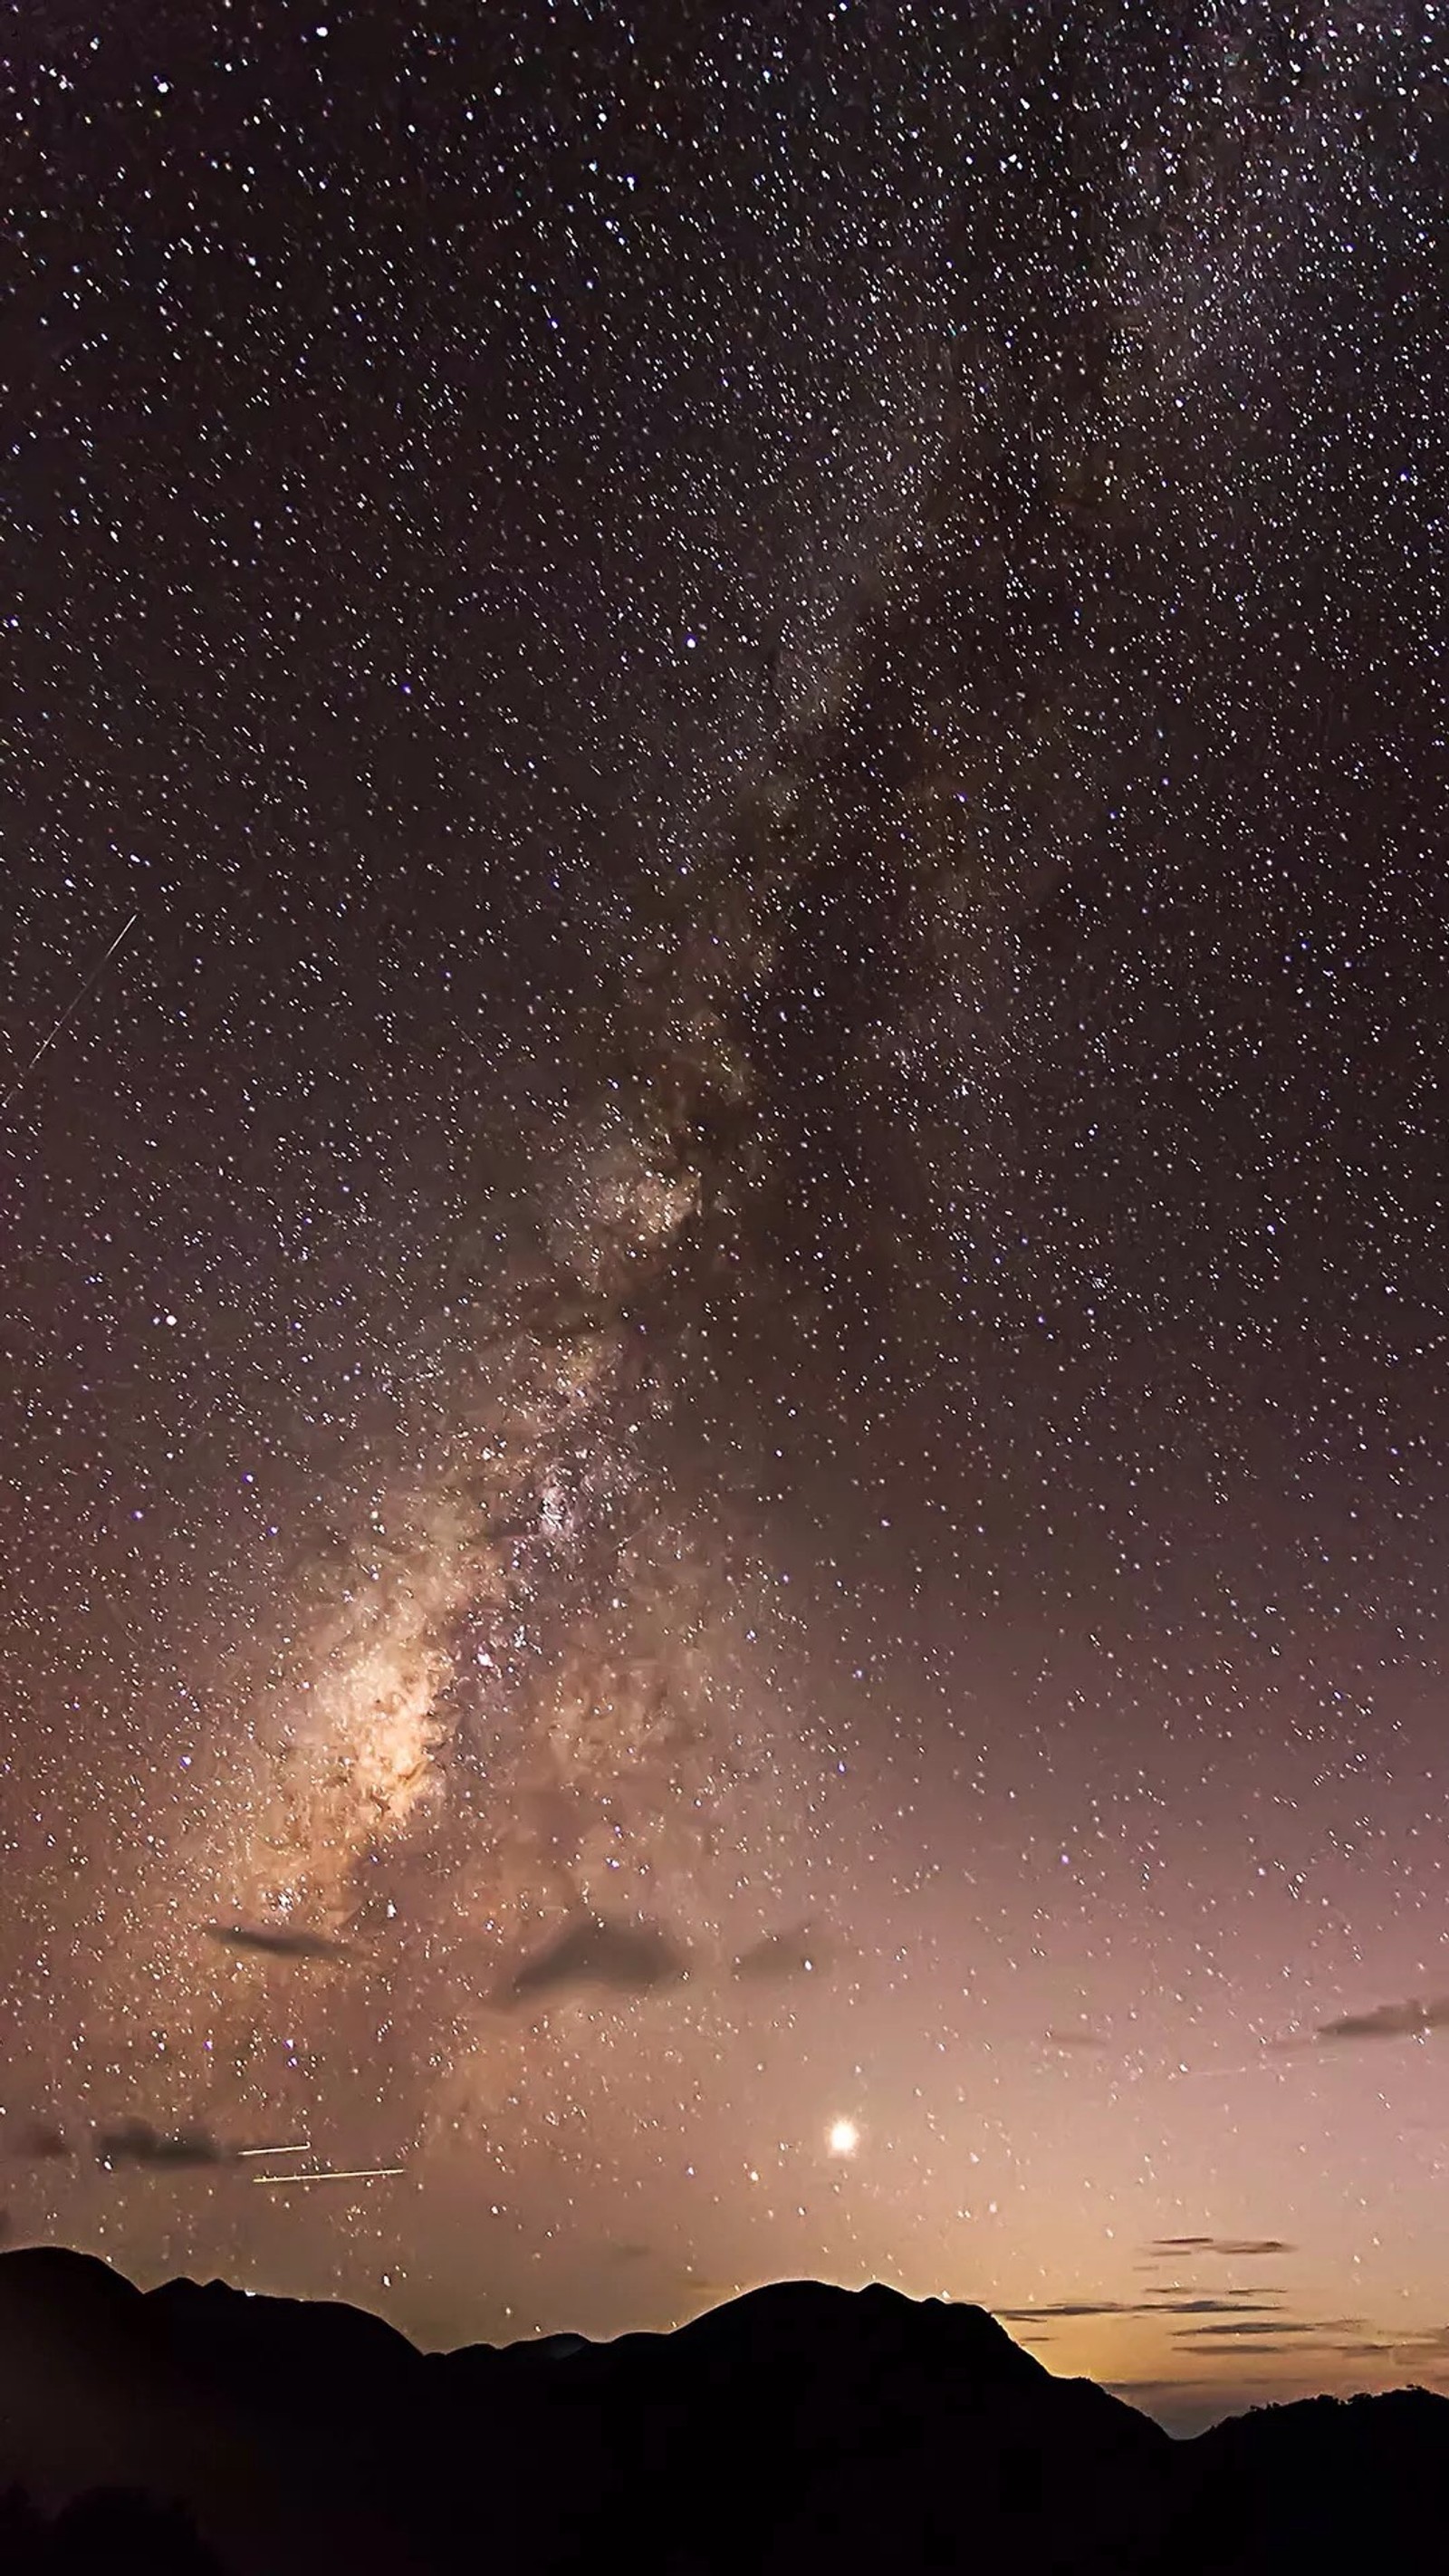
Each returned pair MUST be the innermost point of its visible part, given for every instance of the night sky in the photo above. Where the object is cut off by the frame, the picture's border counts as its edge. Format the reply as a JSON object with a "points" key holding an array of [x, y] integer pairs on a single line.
{"points": [[723, 1493]]}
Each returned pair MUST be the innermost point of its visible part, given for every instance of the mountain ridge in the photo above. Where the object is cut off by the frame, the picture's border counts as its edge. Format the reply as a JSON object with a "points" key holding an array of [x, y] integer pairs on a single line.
{"points": [[801, 2426]]}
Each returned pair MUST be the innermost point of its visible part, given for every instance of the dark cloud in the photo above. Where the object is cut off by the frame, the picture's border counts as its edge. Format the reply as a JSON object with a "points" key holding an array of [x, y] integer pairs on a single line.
{"points": [[279, 1943], [1073, 2039], [1406, 2352], [624, 1958], [778, 1956], [1066, 2306], [1161, 2246], [1245, 2327], [1233, 2303], [1272, 2342], [1412, 2020], [44, 2142], [1309, 2332], [135, 2142], [1161, 2304], [130, 2142]]}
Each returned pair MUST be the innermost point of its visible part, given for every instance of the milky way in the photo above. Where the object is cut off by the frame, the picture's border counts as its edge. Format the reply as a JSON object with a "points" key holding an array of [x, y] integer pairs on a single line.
{"points": [[725, 1328]]}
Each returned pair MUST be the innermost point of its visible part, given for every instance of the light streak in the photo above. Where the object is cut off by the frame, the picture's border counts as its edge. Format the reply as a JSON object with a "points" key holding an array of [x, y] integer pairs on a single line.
{"points": [[302, 2182], [304, 2149], [68, 1014]]}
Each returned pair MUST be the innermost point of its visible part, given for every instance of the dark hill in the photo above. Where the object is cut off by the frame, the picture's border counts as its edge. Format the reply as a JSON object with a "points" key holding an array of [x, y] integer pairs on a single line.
{"points": [[798, 2429], [1352, 2483]]}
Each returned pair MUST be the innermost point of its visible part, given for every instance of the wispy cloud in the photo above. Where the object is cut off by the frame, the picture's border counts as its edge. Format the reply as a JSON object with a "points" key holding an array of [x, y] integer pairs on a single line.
{"points": [[276, 1941], [1067, 2308], [1411, 2020], [1307, 2332], [1427, 2349], [778, 1956], [1233, 2303], [1230, 2327], [1163, 2246], [620, 1958], [1162, 2303], [135, 2142], [43, 2142]]}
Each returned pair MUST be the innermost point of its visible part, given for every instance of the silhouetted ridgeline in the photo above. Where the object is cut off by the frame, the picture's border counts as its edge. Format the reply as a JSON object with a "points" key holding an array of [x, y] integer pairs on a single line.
{"points": [[799, 2429]]}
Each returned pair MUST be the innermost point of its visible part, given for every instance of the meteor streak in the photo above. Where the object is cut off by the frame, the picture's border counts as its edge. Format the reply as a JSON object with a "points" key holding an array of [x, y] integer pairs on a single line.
{"points": [[297, 2182], [68, 1014]]}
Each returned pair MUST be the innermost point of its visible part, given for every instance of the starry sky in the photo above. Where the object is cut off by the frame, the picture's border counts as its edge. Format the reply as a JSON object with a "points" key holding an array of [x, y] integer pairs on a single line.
{"points": [[722, 1502]]}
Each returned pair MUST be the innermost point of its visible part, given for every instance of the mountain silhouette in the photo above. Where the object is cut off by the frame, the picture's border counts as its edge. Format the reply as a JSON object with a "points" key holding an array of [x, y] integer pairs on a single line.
{"points": [[194, 2430]]}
